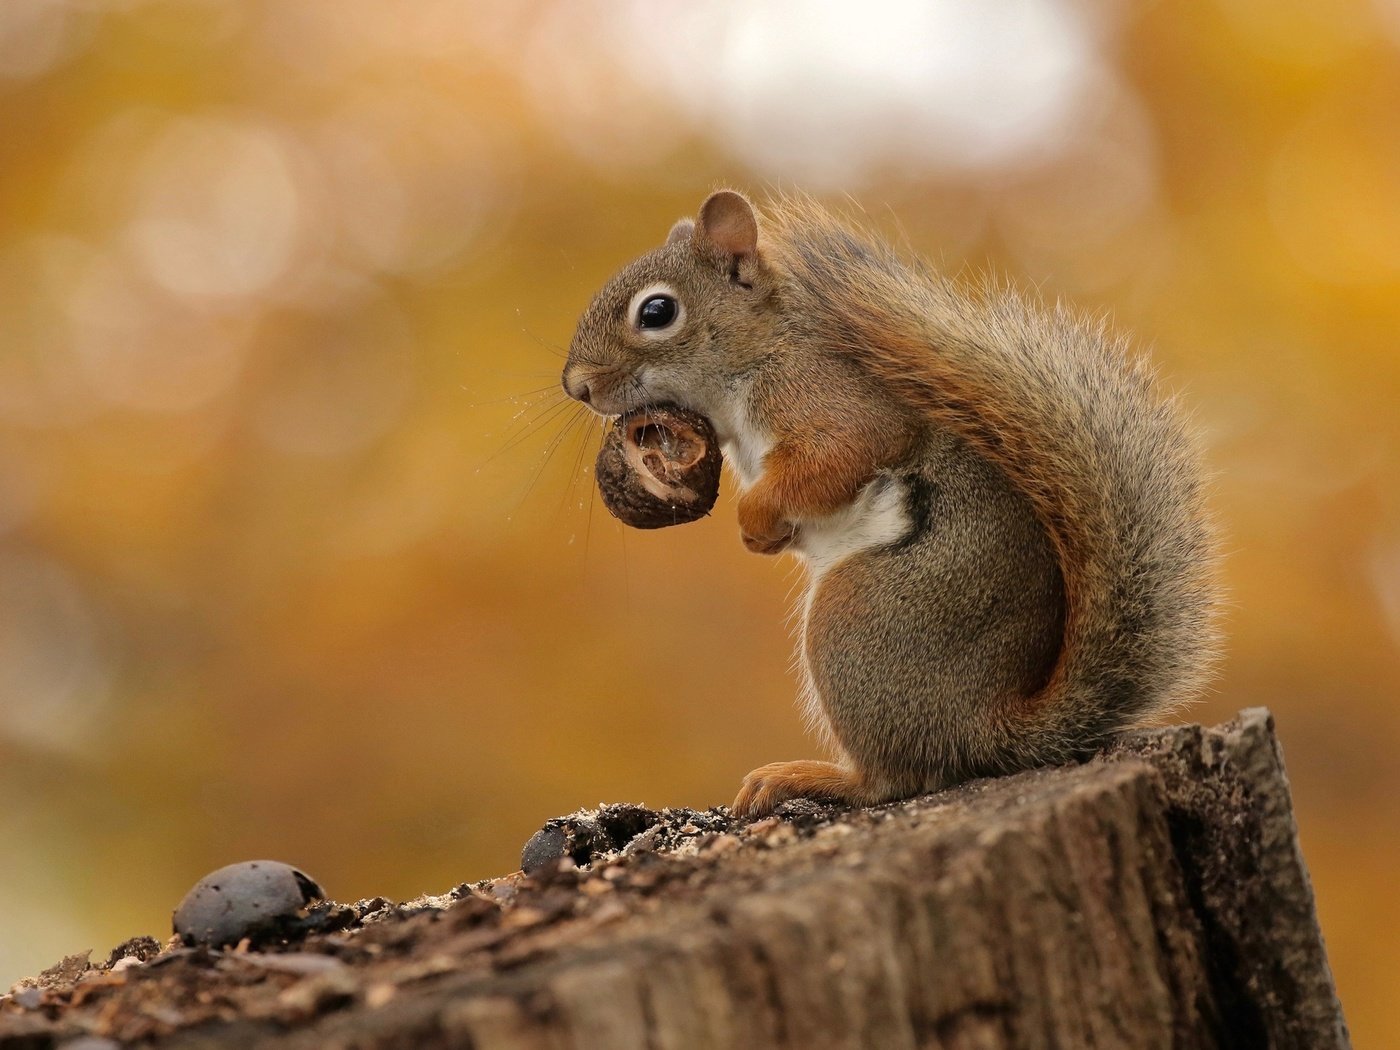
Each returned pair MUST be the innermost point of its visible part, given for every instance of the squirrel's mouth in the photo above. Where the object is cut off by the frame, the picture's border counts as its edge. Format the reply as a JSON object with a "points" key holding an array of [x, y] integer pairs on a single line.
{"points": [[621, 393], [606, 391]]}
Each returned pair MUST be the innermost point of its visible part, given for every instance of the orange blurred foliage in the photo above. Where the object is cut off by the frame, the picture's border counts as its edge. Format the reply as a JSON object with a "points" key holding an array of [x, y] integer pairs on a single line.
{"points": [[299, 556]]}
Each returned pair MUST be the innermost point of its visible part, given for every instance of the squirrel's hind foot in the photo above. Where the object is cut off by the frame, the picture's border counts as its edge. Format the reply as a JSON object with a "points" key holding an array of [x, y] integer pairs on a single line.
{"points": [[768, 787]]}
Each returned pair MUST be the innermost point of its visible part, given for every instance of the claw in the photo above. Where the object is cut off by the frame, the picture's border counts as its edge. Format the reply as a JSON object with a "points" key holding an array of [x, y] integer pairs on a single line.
{"points": [[768, 787]]}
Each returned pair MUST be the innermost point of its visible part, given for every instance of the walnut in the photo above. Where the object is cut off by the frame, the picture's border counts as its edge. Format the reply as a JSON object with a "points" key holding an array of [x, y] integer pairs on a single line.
{"points": [[659, 467]]}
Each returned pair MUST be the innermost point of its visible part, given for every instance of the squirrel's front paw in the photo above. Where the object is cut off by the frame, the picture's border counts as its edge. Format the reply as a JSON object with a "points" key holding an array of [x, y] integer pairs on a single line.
{"points": [[768, 787], [770, 544], [762, 526]]}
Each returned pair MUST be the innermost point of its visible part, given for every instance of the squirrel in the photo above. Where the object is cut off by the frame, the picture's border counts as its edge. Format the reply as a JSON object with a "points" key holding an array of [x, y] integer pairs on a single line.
{"points": [[1008, 553]]}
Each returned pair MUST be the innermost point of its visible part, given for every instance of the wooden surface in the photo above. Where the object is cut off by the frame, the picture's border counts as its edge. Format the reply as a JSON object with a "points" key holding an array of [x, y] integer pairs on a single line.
{"points": [[1152, 897]]}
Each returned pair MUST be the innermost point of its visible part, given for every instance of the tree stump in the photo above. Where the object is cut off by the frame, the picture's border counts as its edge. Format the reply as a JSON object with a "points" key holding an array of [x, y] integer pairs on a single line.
{"points": [[1154, 896]]}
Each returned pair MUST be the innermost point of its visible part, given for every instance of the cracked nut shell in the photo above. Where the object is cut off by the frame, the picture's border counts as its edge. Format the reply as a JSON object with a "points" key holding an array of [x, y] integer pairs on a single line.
{"points": [[659, 467]]}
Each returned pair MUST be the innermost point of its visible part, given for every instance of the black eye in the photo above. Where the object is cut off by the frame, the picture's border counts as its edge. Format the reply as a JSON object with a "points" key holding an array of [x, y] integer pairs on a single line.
{"points": [[657, 311]]}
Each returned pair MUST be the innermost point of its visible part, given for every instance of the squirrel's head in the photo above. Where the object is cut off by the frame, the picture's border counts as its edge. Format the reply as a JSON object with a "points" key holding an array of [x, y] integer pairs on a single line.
{"points": [[680, 323]]}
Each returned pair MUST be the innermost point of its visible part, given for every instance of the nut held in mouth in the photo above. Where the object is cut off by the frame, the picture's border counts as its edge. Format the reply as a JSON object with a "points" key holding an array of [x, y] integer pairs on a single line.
{"points": [[659, 467]]}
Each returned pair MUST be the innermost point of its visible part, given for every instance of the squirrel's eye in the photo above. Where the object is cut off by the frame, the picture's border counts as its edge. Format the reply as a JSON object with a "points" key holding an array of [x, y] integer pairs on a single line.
{"points": [[656, 312]]}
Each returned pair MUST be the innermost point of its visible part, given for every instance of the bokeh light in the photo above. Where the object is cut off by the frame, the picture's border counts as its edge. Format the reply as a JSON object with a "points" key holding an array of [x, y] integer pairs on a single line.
{"points": [[299, 555]]}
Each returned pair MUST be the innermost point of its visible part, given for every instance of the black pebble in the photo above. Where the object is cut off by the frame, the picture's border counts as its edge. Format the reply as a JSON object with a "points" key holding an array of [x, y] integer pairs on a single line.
{"points": [[242, 900], [578, 838], [585, 838], [547, 844]]}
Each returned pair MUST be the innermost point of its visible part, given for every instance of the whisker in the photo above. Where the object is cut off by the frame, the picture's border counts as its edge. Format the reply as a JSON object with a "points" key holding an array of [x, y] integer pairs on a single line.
{"points": [[576, 472], [522, 396], [530, 427], [550, 449], [516, 373], [593, 492], [539, 341]]}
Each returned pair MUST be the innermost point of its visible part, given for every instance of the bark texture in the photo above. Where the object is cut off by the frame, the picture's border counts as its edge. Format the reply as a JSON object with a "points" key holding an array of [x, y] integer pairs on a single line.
{"points": [[1153, 897]]}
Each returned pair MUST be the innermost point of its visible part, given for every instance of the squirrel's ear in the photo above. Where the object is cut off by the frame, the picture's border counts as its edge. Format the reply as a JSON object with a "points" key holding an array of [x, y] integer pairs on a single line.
{"points": [[681, 231], [728, 227]]}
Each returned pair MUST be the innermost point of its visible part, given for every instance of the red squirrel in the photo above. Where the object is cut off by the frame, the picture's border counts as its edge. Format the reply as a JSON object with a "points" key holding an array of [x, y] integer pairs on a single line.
{"points": [[1003, 521]]}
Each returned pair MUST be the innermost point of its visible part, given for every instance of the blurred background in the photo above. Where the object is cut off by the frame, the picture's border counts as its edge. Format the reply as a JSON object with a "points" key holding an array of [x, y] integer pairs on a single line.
{"points": [[299, 554]]}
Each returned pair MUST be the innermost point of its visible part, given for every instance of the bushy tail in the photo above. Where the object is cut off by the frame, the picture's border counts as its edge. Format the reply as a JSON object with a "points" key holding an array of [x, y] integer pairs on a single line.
{"points": [[1077, 424]]}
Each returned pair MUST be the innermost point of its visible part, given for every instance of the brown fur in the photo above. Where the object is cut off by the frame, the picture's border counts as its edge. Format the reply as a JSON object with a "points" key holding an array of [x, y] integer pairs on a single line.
{"points": [[1057, 583], [767, 787]]}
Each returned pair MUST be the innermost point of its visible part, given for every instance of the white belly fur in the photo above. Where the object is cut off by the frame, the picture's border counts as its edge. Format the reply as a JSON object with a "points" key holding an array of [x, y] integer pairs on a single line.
{"points": [[744, 445], [878, 516]]}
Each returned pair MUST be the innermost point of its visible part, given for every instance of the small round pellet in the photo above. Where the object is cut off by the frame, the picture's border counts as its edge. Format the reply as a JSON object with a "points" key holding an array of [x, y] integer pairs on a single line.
{"points": [[242, 900]]}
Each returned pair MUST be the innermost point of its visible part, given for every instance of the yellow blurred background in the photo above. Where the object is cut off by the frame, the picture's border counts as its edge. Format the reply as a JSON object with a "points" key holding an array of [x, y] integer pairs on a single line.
{"points": [[299, 556]]}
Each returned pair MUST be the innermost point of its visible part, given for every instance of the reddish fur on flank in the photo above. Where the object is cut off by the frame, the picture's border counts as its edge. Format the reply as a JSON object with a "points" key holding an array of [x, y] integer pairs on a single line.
{"points": [[1041, 394]]}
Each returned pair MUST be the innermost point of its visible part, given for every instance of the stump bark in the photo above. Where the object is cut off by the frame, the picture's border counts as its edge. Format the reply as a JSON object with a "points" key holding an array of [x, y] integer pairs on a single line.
{"points": [[1154, 896]]}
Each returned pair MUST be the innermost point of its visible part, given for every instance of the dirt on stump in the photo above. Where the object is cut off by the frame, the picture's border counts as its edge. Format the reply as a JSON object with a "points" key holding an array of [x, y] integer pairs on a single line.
{"points": [[1112, 903]]}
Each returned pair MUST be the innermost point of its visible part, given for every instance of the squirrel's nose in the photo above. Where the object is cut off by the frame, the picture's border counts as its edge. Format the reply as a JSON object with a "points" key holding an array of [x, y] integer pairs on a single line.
{"points": [[577, 387]]}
